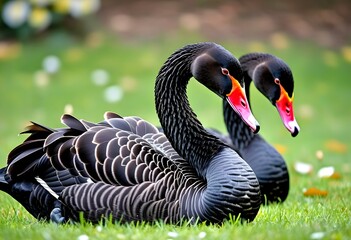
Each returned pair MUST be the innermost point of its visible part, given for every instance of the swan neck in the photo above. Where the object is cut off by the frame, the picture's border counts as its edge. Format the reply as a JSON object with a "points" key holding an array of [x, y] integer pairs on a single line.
{"points": [[216, 192], [179, 122]]}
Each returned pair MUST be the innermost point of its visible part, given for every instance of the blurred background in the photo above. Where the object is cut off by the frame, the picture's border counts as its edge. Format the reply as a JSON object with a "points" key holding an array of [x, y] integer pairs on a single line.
{"points": [[86, 57]]}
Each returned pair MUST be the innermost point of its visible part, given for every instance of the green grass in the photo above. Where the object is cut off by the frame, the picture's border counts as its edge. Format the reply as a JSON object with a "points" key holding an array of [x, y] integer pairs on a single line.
{"points": [[321, 106]]}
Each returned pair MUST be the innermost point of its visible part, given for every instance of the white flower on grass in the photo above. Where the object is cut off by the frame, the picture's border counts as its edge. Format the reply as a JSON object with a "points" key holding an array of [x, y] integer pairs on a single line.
{"points": [[80, 8], [39, 18], [317, 235], [202, 235], [83, 237], [100, 77], [303, 168], [173, 234], [113, 94], [326, 172], [51, 64], [15, 13]]}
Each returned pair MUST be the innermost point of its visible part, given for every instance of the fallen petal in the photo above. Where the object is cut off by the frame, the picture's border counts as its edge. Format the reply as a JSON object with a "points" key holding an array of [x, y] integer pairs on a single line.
{"points": [[202, 235], [319, 154], [303, 168], [314, 192], [113, 94], [173, 234], [51, 64], [100, 77], [83, 237], [317, 235], [326, 172]]}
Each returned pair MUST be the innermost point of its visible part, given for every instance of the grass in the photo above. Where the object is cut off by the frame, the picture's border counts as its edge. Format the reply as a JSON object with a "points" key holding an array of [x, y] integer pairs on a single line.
{"points": [[321, 106]]}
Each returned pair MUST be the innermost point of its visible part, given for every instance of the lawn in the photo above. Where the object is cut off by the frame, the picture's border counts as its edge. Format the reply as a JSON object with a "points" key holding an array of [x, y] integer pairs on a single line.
{"points": [[321, 106]]}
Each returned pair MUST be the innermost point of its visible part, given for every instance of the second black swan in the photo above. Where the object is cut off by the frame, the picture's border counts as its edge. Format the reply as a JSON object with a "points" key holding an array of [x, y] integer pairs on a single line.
{"points": [[274, 79]]}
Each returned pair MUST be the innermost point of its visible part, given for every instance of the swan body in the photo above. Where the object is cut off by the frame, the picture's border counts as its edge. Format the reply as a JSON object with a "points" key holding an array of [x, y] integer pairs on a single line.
{"points": [[125, 169]]}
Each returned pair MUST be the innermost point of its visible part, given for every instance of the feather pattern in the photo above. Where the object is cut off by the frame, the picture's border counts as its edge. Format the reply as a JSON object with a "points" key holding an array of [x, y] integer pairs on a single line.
{"points": [[124, 168]]}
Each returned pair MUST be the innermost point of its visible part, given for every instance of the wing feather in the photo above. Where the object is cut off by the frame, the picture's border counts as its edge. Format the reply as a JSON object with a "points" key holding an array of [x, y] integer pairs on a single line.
{"points": [[119, 166], [73, 123]]}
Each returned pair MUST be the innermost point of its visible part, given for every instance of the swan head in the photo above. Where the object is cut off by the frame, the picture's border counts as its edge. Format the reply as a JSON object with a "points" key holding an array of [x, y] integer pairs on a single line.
{"points": [[221, 72], [274, 79]]}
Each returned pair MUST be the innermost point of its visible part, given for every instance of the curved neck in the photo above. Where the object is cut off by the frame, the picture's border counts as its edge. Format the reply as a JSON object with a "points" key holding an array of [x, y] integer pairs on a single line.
{"points": [[179, 122], [215, 192], [239, 132]]}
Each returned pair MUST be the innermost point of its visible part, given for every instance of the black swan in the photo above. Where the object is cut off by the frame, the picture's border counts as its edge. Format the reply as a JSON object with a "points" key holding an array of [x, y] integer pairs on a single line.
{"points": [[274, 79], [125, 169]]}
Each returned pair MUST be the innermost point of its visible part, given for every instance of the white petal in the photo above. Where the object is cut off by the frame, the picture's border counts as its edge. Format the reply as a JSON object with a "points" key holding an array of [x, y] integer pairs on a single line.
{"points": [[113, 94], [100, 77], [202, 235], [51, 64], [317, 235], [326, 172], [83, 237], [173, 234], [303, 168]]}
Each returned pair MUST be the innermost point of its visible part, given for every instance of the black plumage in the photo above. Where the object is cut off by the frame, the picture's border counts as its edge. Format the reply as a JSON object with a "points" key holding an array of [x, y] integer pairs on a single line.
{"points": [[124, 168]]}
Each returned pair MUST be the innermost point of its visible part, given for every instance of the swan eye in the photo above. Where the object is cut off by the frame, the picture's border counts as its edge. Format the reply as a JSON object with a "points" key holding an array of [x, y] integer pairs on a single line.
{"points": [[277, 81], [225, 71]]}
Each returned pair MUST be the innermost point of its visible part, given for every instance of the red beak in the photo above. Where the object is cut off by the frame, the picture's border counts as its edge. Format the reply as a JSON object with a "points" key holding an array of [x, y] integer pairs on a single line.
{"points": [[237, 99], [285, 108]]}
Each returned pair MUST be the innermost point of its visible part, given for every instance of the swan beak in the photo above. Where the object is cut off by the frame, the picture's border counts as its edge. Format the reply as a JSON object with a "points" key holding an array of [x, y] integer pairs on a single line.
{"points": [[237, 99], [285, 108]]}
